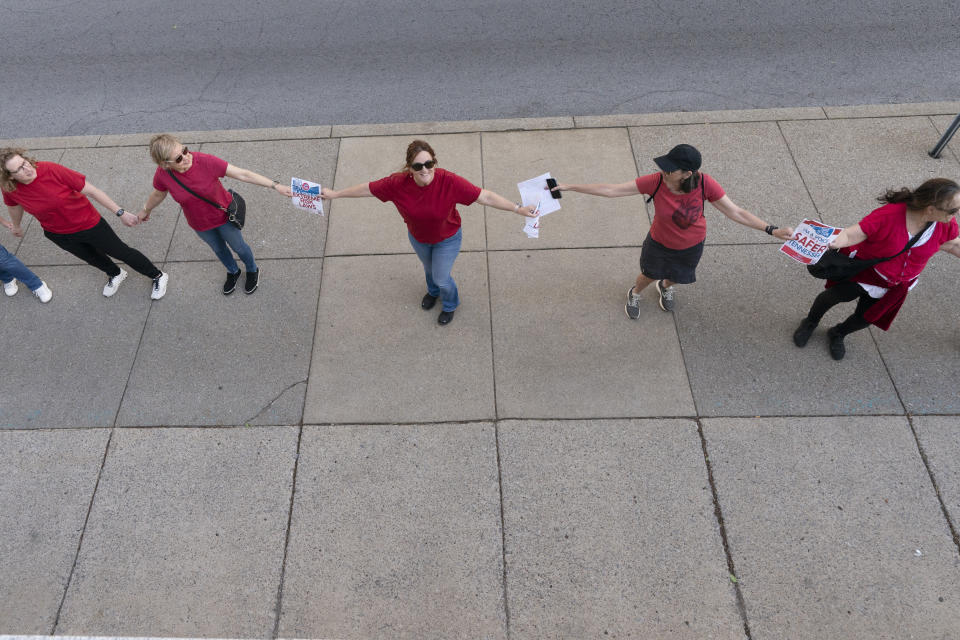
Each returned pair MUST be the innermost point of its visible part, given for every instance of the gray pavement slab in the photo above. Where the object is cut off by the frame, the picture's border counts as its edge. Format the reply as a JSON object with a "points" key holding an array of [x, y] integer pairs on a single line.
{"points": [[451, 126], [610, 532], [47, 479], [564, 348], [942, 123], [210, 359], [847, 164], [751, 162], [892, 110], [74, 353], [274, 228], [395, 533], [939, 437], [700, 117], [222, 135], [124, 174], [63, 142], [834, 528], [186, 535], [573, 156], [360, 226], [736, 327], [921, 348], [378, 357]]}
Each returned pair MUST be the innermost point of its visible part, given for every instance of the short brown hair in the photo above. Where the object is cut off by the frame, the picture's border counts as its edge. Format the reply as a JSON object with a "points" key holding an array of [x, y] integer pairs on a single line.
{"points": [[416, 147], [162, 146], [7, 183]]}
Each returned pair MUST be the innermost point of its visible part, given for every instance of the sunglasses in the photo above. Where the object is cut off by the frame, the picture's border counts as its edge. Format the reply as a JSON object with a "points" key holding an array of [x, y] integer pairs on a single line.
{"points": [[418, 166], [952, 212], [179, 158]]}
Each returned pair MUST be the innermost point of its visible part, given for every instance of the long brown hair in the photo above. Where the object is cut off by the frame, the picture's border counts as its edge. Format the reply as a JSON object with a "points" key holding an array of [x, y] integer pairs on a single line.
{"points": [[7, 183], [935, 191]]}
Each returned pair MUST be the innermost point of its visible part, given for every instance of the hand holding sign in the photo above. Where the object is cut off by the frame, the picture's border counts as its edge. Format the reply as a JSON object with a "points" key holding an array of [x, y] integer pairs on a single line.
{"points": [[306, 195], [809, 242]]}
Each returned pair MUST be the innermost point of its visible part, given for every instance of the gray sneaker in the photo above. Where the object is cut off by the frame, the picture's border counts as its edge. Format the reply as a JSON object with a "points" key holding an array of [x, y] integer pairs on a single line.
{"points": [[633, 305], [666, 296]]}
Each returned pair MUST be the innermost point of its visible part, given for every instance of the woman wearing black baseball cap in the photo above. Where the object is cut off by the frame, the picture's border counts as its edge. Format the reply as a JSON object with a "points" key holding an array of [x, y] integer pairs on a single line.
{"points": [[674, 244]]}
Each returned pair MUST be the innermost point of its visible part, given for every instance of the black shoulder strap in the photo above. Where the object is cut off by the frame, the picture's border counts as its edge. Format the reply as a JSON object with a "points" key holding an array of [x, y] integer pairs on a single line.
{"points": [[197, 195], [659, 182], [913, 240]]}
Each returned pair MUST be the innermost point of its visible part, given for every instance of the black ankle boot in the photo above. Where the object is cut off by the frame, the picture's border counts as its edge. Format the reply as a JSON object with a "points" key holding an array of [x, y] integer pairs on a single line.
{"points": [[803, 332], [837, 350]]}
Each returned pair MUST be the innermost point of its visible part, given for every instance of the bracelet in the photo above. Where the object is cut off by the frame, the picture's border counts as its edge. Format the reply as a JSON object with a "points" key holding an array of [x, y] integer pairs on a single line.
{"points": [[274, 184], [770, 229], [517, 207]]}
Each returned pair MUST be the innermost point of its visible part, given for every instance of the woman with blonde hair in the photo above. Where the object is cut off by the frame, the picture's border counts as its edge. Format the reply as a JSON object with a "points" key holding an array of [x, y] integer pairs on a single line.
{"points": [[193, 179]]}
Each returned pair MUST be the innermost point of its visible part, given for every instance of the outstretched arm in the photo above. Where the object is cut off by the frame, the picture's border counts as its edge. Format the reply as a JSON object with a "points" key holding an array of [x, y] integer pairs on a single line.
{"points": [[952, 247], [491, 199], [245, 175], [107, 202], [601, 189], [727, 207], [155, 199], [849, 237], [361, 190]]}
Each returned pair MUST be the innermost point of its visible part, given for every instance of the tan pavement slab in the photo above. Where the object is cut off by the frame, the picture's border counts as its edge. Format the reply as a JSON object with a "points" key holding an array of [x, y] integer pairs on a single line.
{"points": [[564, 348], [186, 535], [63, 142], [942, 123], [892, 110], [574, 156], [379, 357], [847, 164], [361, 226], [736, 327], [454, 126], [74, 353], [700, 117], [751, 162], [223, 135], [610, 532], [274, 227], [834, 528], [922, 346], [210, 359], [395, 533], [939, 437], [125, 175], [48, 477]]}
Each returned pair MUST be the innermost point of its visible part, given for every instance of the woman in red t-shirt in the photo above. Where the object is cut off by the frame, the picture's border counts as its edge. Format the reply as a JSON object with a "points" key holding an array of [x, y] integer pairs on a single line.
{"points": [[57, 197], [426, 197], [928, 211], [673, 246], [180, 171]]}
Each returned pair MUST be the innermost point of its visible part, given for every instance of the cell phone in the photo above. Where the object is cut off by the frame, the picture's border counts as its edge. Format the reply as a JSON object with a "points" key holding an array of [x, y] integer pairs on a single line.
{"points": [[551, 183]]}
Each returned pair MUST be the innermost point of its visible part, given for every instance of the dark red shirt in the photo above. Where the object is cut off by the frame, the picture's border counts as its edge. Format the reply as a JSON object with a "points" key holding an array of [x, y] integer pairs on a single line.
{"points": [[430, 212], [203, 178], [678, 220], [54, 199]]}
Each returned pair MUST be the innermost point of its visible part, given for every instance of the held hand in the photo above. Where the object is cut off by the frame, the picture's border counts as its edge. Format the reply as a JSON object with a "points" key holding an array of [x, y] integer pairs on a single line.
{"points": [[129, 219], [560, 187], [143, 215], [283, 189], [784, 233], [328, 194]]}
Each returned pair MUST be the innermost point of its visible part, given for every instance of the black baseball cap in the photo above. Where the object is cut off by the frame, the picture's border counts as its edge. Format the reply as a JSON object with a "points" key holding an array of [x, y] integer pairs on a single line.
{"points": [[682, 156]]}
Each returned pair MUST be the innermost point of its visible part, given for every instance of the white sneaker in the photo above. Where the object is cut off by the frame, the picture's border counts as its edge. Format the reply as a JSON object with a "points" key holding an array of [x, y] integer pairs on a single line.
{"points": [[114, 283], [43, 292], [11, 288], [159, 286]]}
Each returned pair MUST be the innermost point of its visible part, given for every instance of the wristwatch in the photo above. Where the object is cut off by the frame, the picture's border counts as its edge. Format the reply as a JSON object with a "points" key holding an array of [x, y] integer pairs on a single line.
{"points": [[120, 212]]}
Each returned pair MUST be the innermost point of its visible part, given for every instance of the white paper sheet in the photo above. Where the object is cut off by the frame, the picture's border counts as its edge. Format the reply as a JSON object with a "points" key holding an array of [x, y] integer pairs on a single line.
{"points": [[534, 192], [306, 195]]}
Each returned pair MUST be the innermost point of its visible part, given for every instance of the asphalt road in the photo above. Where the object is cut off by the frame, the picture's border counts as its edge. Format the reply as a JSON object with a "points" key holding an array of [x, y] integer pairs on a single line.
{"points": [[129, 66]]}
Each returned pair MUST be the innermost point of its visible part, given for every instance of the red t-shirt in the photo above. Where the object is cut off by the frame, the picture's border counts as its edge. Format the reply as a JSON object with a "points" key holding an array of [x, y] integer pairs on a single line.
{"points": [[54, 199], [886, 229], [430, 212], [203, 178], [678, 220]]}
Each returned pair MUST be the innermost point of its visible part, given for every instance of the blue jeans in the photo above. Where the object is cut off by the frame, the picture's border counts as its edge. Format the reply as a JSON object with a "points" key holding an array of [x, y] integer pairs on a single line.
{"points": [[437, 262], [12, 269], [226, 234]]}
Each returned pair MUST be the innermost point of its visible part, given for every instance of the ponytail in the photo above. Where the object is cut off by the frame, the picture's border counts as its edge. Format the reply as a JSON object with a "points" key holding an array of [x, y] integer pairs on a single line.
{"points": [[937, 192]]}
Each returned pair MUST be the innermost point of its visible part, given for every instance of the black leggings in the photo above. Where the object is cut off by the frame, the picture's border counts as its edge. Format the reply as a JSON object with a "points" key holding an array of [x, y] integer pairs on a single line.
{"points": [[843, 292], [95, 244]]}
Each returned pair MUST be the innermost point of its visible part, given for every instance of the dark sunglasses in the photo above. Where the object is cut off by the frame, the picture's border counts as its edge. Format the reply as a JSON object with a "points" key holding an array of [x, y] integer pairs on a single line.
{"points": [[952, 212], [429, 164], [179, 158]]}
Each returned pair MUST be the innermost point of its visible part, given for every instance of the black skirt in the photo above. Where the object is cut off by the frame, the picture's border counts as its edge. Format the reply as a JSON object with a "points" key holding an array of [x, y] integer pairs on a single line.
{"points": [[676, 265]]}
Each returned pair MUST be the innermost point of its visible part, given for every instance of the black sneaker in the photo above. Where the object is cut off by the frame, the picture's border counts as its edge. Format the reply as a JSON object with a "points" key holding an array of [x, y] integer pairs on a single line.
{"points": [[230, 283], [428, 302], [803, 332], [251, 281], [837, 350], [445, 317]]}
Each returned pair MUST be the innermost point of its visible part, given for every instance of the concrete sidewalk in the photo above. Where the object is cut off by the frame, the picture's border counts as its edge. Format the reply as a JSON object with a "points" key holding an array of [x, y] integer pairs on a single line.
{"points": [[321, 459]]}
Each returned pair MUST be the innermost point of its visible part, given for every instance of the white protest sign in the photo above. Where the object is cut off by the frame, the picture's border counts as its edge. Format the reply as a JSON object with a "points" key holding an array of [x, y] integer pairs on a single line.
{"points": [[306, 195], [534, 193], [810, 241]]}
